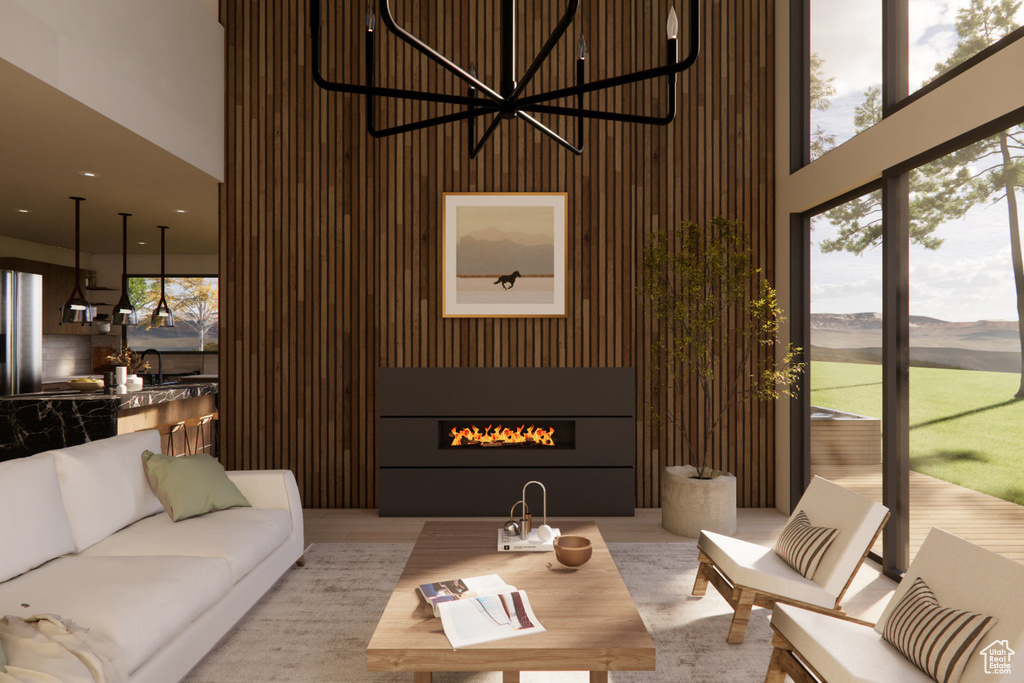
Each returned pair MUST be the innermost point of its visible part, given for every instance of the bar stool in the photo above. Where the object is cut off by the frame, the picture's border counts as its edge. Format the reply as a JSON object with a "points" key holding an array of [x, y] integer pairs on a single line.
{"points": [[177, 429], [202, 441]]}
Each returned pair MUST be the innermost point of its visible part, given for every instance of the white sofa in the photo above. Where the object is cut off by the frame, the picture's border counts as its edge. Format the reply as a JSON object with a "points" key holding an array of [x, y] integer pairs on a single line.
{"points": [[83, 536]]}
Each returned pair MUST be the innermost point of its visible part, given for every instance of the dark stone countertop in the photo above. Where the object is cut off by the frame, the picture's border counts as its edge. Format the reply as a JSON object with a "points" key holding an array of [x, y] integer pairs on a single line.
{"points": [[147, 396], [32, 423]]}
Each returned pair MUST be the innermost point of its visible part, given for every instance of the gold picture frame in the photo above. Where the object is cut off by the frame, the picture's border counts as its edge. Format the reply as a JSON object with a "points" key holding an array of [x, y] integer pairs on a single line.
{"points": [[504, 254]]}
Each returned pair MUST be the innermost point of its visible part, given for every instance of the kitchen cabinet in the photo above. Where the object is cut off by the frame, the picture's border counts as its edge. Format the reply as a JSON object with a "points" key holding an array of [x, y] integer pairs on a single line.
{"points": [[58, 281]]}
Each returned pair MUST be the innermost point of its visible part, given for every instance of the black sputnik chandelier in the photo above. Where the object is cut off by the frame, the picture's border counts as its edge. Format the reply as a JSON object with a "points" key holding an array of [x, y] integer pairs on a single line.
{"points": [[511, 100]]}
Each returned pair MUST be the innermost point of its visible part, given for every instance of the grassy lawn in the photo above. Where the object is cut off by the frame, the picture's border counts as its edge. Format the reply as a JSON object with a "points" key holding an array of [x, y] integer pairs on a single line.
{"points": [[965, 426]]}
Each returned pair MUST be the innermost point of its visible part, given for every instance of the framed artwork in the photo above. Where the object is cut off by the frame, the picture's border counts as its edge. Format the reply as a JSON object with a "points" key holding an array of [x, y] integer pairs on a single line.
{"points": [[504, 255]]}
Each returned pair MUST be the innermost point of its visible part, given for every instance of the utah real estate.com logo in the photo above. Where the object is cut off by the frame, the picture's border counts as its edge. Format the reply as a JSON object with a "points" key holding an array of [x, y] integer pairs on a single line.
{"points": [[997, 657]]}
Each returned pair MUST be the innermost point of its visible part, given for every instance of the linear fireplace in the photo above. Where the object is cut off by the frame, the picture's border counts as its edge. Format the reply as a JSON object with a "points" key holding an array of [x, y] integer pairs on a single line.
{"points": [[506, 433], [463, 441]]}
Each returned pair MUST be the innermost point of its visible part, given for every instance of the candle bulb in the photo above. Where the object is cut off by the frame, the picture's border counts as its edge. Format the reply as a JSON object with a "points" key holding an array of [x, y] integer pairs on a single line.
{"points": [[581, 47], [672, 25], [371, 18]]}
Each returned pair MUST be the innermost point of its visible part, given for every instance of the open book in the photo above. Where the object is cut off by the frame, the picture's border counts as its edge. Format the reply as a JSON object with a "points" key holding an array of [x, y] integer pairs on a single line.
{"points": [[480, 609]]}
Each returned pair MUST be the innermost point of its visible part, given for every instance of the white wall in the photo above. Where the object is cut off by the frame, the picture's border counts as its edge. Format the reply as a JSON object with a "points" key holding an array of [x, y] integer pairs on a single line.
{"points": [[972, 99], [108, 266], [153, 66], [13, 247]]}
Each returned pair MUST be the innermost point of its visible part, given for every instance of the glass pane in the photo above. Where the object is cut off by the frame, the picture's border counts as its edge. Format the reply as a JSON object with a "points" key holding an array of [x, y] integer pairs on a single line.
{"points": [[846, 71], [966, 416], [846, 346], [194, 302], [944, 33]]}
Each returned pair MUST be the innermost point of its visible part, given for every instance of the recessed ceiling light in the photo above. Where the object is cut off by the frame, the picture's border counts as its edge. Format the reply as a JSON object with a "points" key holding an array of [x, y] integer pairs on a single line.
{"points": [[24, 210], [141, 242], [181, 211], [89, 174]]}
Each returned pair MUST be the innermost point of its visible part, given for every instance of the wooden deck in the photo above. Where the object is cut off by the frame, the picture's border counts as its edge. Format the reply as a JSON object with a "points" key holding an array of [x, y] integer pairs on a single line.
{"points": [[990, 522]]}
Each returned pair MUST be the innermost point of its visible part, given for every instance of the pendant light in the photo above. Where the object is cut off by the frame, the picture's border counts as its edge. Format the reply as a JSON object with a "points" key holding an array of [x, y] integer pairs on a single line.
{"points": [[77, 309], [163, 316], [124, 311]]}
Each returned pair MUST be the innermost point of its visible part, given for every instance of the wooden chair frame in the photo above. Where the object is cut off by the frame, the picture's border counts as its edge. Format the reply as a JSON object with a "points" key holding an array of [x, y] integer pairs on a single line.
{"points": [[743, 598], [786, 659]]}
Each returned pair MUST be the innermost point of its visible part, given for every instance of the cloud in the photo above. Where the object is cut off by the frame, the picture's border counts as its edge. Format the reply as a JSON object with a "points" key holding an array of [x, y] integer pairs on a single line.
{"points": [[964, 288], [852, 57], [848, 37]]}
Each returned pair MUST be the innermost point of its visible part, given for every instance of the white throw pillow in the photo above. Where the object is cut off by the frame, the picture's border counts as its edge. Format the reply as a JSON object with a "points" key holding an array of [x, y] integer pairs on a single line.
{"points": [[104, 486], [33, 525]]}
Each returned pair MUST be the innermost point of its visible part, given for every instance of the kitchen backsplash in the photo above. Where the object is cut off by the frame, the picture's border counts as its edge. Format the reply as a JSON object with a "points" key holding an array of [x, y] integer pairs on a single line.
{"points": [[66, 356]]}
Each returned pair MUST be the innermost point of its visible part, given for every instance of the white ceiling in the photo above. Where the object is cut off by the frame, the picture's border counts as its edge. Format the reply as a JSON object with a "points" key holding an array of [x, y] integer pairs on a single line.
{"points": [[48, 138]]}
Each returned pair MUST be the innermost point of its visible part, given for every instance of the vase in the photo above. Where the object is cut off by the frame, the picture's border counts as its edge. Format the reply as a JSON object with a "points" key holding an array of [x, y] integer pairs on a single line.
{"points": [[690, 505]]}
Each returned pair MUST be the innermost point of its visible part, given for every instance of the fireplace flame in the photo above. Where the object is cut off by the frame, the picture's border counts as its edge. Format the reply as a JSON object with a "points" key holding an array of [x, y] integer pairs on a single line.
{"points": [[502, 436]]}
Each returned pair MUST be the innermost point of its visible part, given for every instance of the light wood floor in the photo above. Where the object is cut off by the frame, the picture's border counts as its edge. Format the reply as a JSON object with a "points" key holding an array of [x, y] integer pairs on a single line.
{"points": [[866, 598], [990, 522]]}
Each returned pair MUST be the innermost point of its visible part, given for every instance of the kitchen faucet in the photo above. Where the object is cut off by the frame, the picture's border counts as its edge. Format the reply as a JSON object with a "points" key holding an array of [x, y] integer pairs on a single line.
{"points": [[159, 364]]}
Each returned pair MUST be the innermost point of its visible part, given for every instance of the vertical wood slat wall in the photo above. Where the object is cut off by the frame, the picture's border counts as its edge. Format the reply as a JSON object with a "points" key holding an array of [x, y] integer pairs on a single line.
{"points": [[330, 240]]}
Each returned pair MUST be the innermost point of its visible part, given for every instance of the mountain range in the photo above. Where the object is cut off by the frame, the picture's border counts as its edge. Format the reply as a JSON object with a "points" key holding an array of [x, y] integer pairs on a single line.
{"points": [[492, 254], [977, 345]]}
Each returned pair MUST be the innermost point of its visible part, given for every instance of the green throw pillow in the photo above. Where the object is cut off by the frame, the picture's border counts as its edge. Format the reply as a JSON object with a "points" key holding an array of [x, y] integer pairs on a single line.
{"points": [[191, 485]]}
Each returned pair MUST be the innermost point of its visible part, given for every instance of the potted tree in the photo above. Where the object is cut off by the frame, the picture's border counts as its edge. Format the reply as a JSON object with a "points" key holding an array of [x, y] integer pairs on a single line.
{"points": [[719, 319]]}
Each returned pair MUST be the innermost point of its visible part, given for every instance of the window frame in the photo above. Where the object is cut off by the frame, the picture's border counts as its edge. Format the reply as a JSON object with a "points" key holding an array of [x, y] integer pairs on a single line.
{"points": [[124, 328]]}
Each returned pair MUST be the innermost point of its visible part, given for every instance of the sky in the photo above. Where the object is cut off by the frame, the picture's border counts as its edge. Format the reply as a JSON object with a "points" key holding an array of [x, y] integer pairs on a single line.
{"points": [[970, 276]]}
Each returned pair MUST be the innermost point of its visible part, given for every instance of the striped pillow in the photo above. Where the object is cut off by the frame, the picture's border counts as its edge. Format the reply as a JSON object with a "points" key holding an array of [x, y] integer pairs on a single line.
{"points": [[938, 640], [802, 545]]}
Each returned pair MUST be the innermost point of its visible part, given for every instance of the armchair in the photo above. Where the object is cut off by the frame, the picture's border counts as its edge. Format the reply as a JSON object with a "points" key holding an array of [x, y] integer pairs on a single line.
{"points": [[748, 575]]}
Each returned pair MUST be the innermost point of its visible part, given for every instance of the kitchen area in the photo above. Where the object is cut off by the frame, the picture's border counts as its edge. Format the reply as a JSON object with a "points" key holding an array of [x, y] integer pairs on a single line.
{"points": [[109, 193], [64, 387]]}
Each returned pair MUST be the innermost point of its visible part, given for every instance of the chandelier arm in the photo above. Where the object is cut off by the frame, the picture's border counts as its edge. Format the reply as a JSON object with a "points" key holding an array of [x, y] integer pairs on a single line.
{"points": [[550, 133], [581, 112], [556, 35], [434, 55], [378, 133], [601, 115], [483, 139], [355, 88], [469, 114], [644, 75]]}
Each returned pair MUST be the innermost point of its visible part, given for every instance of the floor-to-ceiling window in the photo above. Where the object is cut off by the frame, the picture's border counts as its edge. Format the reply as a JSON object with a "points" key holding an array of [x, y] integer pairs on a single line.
{"points": [[937, 263], [846, 343], [845, 71], [966, 408]]}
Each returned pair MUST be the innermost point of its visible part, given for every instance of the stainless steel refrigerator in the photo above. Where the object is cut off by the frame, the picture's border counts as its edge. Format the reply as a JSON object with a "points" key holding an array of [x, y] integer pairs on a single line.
{"points": [[21, 332]]}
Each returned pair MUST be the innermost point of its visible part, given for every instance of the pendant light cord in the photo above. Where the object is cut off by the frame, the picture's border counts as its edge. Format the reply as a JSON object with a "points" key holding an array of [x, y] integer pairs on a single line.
{"points": [[124, 253], [163, 233], [78, 270]]}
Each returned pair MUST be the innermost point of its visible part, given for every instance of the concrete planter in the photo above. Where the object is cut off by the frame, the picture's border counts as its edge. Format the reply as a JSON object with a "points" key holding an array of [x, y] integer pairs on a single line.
{"points": [[689, 505]]}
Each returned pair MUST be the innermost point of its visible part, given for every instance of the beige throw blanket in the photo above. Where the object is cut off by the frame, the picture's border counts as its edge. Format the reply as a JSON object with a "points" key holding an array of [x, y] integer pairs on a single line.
{"points": [[47, 649]]}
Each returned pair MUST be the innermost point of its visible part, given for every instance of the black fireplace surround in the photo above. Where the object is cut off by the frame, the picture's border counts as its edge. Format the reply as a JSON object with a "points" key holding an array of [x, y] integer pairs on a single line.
{"points": [[588, 466]]}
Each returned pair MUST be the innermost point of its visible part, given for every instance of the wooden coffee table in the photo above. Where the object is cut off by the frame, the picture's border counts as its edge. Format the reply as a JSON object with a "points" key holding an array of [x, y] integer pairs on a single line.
{"points": [[591, 621]]}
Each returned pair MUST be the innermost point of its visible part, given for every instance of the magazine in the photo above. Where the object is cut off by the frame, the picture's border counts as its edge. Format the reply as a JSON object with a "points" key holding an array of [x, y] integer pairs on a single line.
{"points": [[456, 589], [488, 617], [480, 609]]}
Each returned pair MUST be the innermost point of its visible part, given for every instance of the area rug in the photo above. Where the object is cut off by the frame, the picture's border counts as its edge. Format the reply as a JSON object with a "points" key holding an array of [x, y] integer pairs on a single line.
{"points": [[315, 623]]}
